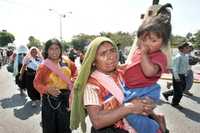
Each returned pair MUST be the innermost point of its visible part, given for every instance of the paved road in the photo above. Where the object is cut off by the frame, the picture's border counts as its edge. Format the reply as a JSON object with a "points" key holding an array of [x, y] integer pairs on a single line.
{"points": [[17, 115]]}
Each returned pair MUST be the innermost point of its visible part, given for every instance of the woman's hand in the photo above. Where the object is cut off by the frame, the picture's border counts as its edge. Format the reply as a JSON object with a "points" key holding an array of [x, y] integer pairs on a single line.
{"points": [[53, 91], [149, 105], [141, 106], [20, 77]]}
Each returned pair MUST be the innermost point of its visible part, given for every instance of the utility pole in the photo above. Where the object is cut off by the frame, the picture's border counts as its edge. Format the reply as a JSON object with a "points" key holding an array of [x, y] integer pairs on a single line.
{"points": [[60, 19]]}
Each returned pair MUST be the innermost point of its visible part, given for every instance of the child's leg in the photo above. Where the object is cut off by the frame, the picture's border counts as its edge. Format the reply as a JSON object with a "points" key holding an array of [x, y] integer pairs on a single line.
{"points": [[142, 124], [152, 92], [160, 118]]}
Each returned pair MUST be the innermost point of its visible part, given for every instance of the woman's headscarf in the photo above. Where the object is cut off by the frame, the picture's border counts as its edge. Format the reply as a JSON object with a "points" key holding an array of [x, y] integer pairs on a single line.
{"points": [[22, 49], [29, 56], [78, 112]]}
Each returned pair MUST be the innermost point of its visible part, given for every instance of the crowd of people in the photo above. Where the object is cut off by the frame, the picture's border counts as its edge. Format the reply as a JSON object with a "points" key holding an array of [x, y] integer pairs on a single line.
{"points": [[114, 99], [5, 54]]}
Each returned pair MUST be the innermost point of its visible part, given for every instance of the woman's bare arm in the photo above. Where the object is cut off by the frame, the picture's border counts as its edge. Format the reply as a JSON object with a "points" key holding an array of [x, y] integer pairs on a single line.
{"points": [[102, 118]]}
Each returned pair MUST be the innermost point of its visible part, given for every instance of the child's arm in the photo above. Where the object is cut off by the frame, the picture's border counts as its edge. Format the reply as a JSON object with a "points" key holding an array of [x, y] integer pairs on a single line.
{"points": [[149, 68], [122, 66]]}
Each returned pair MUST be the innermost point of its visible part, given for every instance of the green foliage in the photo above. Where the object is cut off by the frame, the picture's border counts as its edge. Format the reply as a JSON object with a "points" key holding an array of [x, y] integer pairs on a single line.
{"points": [[85, 37], [33, 42], [6, 38], [176, 40], [123, 38], [79, 42], [193, 38], [197, 39]]}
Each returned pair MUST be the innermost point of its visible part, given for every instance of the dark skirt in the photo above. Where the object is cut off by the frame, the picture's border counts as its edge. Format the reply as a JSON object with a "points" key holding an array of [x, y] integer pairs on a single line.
{"points": [[55, 116], [21, 83], [32, 92]]}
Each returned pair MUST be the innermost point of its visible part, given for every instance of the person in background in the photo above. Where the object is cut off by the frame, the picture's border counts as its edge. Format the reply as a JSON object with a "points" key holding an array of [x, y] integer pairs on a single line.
{"points": [[80, 54], [190, 76], [30, 64], [18, 57], [180, 66], [53, 81], [72, 54], [122, 58], [9, 53], [97, 89], [1, 57], [79, 59]]}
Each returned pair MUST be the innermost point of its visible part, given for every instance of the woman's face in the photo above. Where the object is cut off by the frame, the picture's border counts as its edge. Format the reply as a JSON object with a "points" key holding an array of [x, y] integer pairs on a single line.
{"points": [[33, 52], [106, 58], [54, 52]]}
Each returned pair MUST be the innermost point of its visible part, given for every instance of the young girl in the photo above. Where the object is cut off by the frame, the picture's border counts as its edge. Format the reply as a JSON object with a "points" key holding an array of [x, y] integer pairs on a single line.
{"points": [[144, 69], [52, 80]]}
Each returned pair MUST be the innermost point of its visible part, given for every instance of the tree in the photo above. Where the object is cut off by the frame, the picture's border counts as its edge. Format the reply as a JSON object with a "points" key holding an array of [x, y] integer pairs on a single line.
{"points": [[33, 42], [123, 38], [66, 45], [176, 40], [79, 42], [197, 39], [6, 38]]}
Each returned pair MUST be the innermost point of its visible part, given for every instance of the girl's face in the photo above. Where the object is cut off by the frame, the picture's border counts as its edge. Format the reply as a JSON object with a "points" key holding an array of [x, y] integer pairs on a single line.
{"points": [[106, 58], [54, 52], [33, 52], [153, 42]]}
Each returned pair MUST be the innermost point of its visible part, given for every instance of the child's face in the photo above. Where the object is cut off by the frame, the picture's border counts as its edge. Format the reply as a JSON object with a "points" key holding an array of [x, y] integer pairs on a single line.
{"points": [[152, 41]]}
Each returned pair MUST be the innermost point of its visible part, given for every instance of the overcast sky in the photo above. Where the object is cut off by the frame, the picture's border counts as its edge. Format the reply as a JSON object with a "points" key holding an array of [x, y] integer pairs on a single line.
{"points": [[24, 18]]}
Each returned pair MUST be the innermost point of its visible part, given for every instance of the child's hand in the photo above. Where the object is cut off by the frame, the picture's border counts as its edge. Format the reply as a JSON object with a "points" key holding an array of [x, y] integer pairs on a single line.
{"points": [[144, 46], [122, 66]]}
